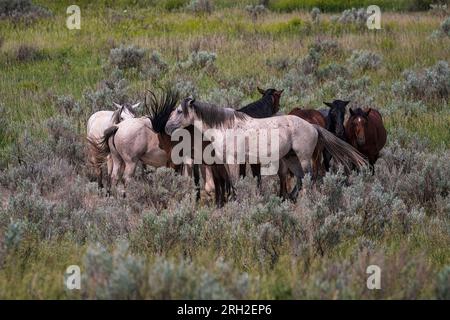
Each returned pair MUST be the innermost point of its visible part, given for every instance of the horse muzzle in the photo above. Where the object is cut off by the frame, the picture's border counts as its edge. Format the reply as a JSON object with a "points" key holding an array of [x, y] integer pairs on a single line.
{"points": [[169, 129], [360, 141]]}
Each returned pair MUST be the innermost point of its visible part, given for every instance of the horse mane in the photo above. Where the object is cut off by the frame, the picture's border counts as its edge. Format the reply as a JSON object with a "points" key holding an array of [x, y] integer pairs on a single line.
{"points": [[212, 115], [262, 108], [161, 108], [115, 118]]}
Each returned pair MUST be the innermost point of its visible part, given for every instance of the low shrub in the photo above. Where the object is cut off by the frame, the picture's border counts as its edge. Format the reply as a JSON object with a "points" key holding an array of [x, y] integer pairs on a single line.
{"points": [[22, 10], [364, 60], [126, 57], [200, 6], [427, 84], [199, 60]]}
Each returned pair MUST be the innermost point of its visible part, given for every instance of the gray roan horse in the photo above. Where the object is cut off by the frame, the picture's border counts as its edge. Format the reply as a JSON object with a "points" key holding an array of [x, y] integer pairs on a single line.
{"points": [[97, 124], [295, 135]]}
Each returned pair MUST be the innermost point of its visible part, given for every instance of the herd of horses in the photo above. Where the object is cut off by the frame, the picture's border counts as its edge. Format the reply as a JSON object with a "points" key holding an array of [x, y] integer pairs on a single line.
{"points": [[308, 140]]}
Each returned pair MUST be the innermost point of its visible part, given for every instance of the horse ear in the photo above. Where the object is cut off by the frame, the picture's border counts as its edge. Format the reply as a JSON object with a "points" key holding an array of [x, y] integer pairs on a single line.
{"points": [[368, 111], [134, 106], [261, 90], [118, 106], [345, 103], [328, 104], [279, 92], [351, 112], [191, 100]]}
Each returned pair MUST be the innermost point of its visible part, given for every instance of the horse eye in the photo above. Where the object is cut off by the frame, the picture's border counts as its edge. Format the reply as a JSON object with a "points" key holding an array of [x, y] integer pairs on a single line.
{"points": [[179, 111]]}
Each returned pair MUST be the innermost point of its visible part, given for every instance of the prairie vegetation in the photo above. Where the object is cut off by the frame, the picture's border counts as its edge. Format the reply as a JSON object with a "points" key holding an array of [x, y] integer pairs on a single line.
{"points": [[158, 242]]}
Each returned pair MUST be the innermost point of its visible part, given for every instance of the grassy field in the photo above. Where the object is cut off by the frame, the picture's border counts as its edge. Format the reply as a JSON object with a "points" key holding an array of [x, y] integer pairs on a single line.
{"points": [[158, 243]]}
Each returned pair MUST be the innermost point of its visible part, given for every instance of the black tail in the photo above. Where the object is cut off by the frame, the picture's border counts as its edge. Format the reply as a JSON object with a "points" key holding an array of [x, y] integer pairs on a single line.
{"points": [[341, 151]]}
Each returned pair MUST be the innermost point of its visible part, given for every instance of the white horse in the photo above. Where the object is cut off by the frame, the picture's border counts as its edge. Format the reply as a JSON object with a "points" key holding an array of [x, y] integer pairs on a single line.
{"points": [[295, 136], [97, 124]]}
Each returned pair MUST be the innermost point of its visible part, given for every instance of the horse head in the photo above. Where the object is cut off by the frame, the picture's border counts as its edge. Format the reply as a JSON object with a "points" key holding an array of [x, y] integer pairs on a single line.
{"points": [[274, 94], [358, 121], [125, 111], [336, 117]]}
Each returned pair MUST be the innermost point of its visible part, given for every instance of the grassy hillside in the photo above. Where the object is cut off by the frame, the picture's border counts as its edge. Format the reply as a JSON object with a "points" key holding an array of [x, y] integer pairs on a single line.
{"points": [[157, 243]]}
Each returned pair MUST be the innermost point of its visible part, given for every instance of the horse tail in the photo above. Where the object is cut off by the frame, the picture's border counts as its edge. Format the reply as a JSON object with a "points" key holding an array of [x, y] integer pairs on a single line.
{"points": [[96, 155], [103, 145], [341, 151]]}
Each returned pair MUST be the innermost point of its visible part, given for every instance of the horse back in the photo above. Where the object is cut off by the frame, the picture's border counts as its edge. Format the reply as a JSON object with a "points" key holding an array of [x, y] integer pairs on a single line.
{"points": [[310, 115], [376, 121]]}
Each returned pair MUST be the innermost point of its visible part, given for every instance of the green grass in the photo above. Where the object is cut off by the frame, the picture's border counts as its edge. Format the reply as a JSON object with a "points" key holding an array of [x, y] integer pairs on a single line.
{"points": [[72, 62]]}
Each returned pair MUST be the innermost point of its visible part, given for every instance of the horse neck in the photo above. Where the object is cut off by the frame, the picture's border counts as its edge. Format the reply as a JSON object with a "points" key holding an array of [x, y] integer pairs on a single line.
{"points": [[115, 118], [260, 109]]}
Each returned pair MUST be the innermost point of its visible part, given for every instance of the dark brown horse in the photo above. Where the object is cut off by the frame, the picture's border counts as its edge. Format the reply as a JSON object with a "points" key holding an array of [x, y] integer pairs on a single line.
{"points": [[314, 117], [365, 131]]}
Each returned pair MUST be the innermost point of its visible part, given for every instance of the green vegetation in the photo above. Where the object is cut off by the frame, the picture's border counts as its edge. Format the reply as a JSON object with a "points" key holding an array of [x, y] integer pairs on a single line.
{"points": [[51, 216]]}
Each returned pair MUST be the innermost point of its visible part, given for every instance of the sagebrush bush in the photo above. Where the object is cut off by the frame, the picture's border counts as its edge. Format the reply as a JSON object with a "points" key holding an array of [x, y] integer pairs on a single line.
{"points": [[26, 53], [280, 63], [439, 9], [315, 15], [22, 10], [200, 6], [161, 188], [427, 84], [155, 67], [186, 87], [364, 60], [255, 11], [354, 16], [443, 284], [67, 105], [326, 47], [126, 57], [229, 98], [114, 89], [199, 60], [65, 141]]}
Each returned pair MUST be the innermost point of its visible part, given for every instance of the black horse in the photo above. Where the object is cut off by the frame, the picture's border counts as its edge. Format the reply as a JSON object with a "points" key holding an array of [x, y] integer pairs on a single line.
{"points": [[334, 117], [267, 106]]}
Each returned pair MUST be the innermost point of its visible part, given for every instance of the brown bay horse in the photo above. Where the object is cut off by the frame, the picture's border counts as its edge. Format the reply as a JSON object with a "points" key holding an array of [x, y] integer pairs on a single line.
{"points": [[365, 131]]}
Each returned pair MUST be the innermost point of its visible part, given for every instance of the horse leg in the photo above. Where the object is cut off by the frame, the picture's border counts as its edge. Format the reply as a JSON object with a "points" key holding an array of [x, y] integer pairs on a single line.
{"points": [[326, 159], [242, 170], [209, 180], [228, 181], [297, 170], [109, 165], [256, 171], [98, 173], [282, 175], [196, 172], [130, 168], [218, 190], [117, 171]]}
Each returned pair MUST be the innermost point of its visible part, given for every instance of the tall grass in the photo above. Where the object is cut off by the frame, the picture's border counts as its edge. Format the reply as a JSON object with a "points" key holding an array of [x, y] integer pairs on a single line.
{"points": [[52, 216]]}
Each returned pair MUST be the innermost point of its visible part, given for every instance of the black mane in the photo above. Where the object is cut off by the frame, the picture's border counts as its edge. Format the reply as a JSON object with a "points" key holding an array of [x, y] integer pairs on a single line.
{"points": [[160, 109], [212, 115]]}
